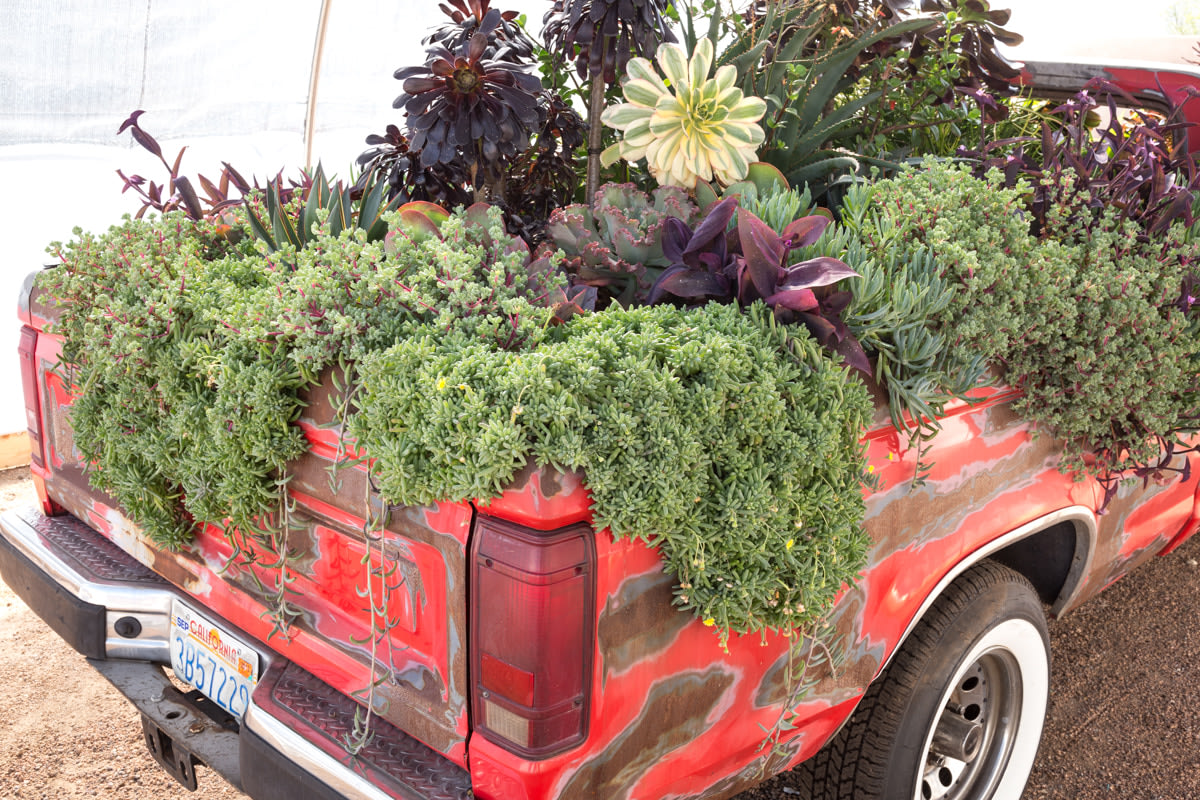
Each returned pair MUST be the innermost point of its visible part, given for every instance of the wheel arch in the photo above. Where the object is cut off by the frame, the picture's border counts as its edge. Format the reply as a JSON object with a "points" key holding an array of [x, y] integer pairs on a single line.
{"points": [[1054, 552]]}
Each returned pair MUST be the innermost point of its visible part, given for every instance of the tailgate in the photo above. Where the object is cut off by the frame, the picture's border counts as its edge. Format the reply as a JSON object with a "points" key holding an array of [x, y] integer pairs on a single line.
{"points": [[407, 660]]}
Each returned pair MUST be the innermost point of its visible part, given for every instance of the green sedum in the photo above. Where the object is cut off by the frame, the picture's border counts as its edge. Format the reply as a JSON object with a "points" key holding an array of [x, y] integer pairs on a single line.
{"points": [[1094, 324], [697, 434], [192, 352], [729, 444]]}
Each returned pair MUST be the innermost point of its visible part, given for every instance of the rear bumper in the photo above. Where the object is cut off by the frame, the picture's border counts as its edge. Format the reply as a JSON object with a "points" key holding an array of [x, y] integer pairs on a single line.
{"points": [[115, 611]]}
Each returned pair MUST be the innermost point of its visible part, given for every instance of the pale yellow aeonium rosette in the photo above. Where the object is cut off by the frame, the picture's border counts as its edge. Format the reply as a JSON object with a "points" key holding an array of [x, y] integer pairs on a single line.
{"points": [[690, 127]]}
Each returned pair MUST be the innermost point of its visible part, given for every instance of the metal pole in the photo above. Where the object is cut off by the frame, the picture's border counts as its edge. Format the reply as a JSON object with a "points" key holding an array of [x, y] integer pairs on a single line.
{"points": [[314, 78]]}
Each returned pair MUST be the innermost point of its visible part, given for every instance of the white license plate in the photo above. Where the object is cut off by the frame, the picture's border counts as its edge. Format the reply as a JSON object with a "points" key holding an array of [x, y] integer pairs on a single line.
{"points": [[213, 660]]}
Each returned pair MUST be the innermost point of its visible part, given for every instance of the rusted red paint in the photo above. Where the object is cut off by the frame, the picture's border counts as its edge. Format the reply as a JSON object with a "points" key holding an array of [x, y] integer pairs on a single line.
{"points": [[671, 714], [1177, 86], [989, 467], [1174, 83], [542, 499], [1189, 528]]}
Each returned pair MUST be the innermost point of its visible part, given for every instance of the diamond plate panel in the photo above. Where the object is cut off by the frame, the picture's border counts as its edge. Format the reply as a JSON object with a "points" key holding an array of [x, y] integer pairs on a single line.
{"points": [[417, 770], [90, 552]]}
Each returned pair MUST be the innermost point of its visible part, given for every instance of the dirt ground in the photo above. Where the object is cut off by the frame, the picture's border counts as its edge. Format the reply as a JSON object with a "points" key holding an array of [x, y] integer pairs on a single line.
{"points": [[67, 733], [1122, 720]]}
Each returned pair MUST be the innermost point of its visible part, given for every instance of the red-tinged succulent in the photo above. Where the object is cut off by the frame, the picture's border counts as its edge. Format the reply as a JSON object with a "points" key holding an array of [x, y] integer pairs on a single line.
{"points": [[1137, 163], [461, 106], [750, 263], [616, 244], [178, 193], [600, 36]]}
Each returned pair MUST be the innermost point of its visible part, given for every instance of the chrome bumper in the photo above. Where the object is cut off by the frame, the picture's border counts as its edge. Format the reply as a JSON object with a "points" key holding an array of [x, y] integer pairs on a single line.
{"points": [[116, 611]]}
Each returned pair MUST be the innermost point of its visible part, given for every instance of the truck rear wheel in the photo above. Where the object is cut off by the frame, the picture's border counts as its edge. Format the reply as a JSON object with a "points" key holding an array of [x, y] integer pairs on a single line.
{"points": [[958, 713]]}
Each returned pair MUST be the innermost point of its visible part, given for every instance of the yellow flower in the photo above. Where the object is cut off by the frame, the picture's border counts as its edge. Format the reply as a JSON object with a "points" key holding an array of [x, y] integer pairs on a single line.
{"points": [[790, 544], [710, 622], [689, 127], [441, 384]]}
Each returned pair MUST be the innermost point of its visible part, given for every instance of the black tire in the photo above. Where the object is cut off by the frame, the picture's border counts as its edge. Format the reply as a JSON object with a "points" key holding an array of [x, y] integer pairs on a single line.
{"points": [[972, 677]]}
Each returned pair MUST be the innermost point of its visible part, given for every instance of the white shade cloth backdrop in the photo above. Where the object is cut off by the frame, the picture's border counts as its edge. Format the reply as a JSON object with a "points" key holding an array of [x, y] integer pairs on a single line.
{"points": [[231, 81], [236, 82]]}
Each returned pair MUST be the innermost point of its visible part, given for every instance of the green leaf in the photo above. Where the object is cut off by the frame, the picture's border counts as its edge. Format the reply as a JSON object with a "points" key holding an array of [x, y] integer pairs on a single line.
{"points": [[371, 209], [281, 225], [833, 67], [256, 225]]}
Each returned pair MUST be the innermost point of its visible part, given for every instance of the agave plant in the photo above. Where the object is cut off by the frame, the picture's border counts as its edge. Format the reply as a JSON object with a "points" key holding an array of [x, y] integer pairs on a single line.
{"points": [[749, 264], [615, 245], [820, 106], [461, 106], [697, 128], [287, 224]]}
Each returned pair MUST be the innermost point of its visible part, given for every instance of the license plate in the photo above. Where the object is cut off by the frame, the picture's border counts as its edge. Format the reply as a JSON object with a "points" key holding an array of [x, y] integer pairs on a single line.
{"points": [[213, 660]]}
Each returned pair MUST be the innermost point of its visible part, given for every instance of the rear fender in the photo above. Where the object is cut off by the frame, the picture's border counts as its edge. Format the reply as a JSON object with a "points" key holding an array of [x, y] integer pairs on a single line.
{"points": [[1080, 518]]}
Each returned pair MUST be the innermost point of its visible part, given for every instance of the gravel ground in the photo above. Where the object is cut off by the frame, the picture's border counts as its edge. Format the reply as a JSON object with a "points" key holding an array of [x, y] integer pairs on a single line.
{"points": [[1121, 722]]}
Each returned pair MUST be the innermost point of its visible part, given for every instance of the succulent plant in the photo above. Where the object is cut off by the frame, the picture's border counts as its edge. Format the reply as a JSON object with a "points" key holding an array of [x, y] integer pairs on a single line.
{"points": [[286, 223], [178, 193], [544, 177], [976, 29], [697, 128], [765, 193], [600, 36], [533, 275], [507, 41], [390, 159], [461, 106], [749, 264], [616, 244]]}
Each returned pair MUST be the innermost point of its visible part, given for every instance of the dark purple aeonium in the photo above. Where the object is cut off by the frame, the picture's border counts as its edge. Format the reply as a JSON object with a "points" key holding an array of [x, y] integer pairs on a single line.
{"points": [[600, 36], [390, 158], [507, 40], [460, 105]]}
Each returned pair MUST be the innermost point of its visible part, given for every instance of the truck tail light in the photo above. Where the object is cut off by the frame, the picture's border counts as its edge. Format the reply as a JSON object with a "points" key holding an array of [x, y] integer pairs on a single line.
{"points": [[531, 635], [33, 405]]}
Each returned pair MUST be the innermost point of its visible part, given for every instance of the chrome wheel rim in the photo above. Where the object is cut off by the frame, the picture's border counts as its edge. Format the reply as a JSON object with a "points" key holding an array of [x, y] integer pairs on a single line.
{"points": [[987, 694], [984, 737]]}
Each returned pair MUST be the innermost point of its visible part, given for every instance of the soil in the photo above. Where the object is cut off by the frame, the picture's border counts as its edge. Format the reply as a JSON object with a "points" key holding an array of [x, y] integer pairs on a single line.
{"points": [[1121, 723]]}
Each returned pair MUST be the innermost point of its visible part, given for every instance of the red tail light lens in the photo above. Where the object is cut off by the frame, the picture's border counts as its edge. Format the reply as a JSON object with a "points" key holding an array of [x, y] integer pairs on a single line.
{"points": [[531, 632], [33, 406]]}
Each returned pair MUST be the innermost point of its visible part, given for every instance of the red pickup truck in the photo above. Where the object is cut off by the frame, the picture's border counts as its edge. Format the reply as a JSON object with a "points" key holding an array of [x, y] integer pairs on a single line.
{"points": [[535, 657]]}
